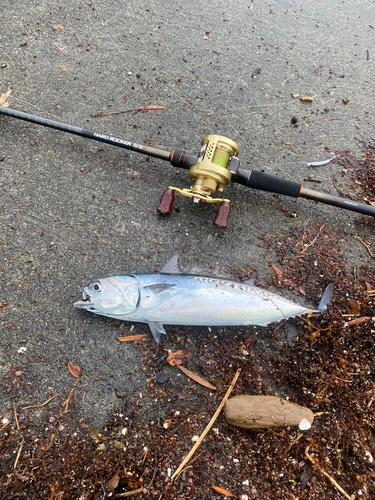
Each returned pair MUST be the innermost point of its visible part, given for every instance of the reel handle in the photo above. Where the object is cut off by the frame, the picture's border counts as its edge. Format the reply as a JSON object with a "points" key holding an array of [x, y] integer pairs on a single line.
{"points": [[166, 202], [222, 214]]}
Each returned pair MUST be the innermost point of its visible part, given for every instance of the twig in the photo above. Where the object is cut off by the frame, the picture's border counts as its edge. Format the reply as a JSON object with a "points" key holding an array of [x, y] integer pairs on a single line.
{"points": [[188, 467], [18, 454], [3, 427], [183, 470], [38, 406], [148, 487], [210, 424], [316, 330], [142, 108], [340, 191], [144, 458], [148, 409], [295, 270], [144, 345], [129, 493], [15, 415], [364, 244], [326, 474], [113, 113], [278, 308], [297, 438], [66, 403], [313, 241]]}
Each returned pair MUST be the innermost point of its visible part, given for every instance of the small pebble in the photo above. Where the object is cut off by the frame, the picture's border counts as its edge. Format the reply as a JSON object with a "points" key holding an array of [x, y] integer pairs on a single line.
{"points": [[161, 378]]}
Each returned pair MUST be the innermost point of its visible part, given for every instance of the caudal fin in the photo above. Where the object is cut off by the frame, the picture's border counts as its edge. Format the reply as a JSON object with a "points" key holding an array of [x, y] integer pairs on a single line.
{"points": [[326, 298]]}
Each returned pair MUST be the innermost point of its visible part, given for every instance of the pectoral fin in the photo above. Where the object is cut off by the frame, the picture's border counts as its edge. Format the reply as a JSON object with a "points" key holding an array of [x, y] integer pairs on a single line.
{"points": [[157, 329], [158, 287]]}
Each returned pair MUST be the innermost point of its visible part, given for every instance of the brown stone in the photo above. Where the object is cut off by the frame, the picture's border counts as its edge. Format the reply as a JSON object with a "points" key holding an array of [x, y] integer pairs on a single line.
{"points": [[257, 412]]}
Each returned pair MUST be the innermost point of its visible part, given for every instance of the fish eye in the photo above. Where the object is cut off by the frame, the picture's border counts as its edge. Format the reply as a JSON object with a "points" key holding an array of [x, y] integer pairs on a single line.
{"points": [[96, 286]]}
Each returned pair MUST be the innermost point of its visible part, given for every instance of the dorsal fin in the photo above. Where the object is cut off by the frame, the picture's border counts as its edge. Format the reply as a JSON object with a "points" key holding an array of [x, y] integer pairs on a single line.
{"points": [[249, 282], [171, 267]]}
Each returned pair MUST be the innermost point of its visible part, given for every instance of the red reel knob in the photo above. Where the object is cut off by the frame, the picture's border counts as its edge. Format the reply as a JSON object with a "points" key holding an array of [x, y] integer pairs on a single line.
{"points": [[166, 202], [222, 214]]}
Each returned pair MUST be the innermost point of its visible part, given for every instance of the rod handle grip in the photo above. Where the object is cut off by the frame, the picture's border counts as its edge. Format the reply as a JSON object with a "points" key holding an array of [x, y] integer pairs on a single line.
{"points": [[272, 184]]}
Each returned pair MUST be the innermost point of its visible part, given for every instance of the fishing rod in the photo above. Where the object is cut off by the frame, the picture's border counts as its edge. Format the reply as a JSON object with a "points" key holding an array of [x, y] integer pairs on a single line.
{"points": [[216, 165]]}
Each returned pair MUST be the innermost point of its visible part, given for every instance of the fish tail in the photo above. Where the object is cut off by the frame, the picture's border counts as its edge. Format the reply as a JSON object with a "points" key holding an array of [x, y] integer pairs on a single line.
{"points": [[326, 298]]}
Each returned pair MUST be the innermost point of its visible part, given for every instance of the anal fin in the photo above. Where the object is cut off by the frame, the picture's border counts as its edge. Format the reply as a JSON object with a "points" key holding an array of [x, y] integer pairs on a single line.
{"points": [[157, 329]]}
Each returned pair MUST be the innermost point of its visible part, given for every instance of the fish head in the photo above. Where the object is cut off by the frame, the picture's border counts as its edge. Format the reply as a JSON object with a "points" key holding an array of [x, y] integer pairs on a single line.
{"points": [[115, 296]]}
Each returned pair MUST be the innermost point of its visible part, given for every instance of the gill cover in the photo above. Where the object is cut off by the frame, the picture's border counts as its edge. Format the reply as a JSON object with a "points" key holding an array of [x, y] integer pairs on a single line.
{"points": [[118, 295]]}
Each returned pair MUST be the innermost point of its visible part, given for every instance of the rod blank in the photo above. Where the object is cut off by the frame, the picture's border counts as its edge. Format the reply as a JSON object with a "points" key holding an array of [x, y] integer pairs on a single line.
{"points": [[336, 201]]}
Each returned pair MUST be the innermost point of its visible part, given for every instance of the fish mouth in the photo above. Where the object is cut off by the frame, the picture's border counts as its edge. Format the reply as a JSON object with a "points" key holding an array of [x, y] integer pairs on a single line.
{"points": [[85, 302]]}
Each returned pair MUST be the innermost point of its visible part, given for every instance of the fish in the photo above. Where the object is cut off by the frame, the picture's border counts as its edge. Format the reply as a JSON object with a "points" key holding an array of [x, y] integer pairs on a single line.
{"points": [[170, 297]]}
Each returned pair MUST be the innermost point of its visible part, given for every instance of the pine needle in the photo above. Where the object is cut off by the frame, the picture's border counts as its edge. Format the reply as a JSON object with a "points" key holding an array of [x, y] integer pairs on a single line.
{"points": [[15, 415], [129, 493], [341, 490], [210, 424], [38, 406], [18, 454]]}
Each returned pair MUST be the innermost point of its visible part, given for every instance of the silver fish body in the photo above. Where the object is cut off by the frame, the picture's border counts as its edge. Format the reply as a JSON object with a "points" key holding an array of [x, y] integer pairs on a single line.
{"points": [[172, 298]]}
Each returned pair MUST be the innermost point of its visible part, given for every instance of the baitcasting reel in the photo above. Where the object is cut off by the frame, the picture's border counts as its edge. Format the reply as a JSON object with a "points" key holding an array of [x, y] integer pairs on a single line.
{"points": [[213, 171]]}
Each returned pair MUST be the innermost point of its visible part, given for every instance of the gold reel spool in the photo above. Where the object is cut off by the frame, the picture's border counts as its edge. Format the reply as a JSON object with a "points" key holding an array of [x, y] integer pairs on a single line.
{"points": [[211, 173]]}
